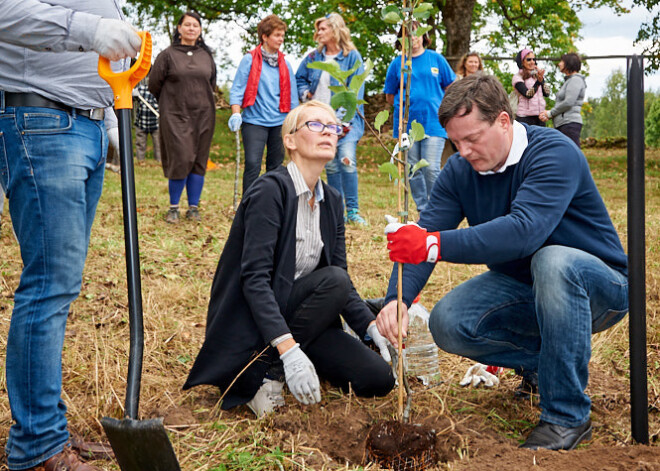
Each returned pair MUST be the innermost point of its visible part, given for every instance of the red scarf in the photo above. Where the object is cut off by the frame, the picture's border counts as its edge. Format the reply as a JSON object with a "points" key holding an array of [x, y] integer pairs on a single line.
{"points": [[255, 74]]}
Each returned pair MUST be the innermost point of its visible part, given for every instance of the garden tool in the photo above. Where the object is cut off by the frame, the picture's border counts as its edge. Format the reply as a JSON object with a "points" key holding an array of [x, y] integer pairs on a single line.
{"points": [[238, 164], [139, 445]]}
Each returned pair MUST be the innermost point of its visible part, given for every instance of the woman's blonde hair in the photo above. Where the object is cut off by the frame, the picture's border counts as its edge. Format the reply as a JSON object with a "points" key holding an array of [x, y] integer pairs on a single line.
{"points": [[460, 68], [291, 121], [339, 29]]}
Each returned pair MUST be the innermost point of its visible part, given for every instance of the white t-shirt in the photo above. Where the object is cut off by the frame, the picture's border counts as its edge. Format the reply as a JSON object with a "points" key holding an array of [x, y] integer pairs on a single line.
{"points": [[323, 93]]}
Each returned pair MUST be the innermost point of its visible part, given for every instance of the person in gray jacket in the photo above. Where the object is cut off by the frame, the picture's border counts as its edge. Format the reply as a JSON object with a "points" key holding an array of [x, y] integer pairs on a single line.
{"points": [[53, 144], [566, 113]]}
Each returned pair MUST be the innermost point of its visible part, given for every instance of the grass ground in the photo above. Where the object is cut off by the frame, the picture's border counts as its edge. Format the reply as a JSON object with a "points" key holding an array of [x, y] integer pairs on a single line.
{"points": [[178, 263]]}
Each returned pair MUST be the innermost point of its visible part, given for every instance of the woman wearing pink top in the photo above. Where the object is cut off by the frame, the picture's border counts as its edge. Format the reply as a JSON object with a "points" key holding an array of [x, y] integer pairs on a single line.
{"points": [[531, 87]]}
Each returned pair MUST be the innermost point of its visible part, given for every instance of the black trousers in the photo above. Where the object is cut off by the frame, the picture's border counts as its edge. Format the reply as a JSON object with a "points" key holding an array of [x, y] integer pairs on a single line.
{"points": [[531, 120], [255, 139], [313, 310], [572, 130]]}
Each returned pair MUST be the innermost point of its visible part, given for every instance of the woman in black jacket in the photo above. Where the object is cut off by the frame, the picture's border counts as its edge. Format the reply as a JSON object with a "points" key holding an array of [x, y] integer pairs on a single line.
{"points": [[281, 285]]}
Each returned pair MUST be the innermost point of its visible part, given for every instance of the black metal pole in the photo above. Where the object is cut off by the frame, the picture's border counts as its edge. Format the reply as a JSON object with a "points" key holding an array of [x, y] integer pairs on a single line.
{"points": [[637, 252], [132, 265]]}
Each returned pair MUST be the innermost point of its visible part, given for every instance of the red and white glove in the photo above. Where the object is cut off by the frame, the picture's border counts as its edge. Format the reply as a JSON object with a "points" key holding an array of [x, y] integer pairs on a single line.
{"points": [[409, 243]]}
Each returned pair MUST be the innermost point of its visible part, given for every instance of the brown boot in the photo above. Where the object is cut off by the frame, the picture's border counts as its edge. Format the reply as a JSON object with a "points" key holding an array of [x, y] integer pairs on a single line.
{"points": [[67, 460]]}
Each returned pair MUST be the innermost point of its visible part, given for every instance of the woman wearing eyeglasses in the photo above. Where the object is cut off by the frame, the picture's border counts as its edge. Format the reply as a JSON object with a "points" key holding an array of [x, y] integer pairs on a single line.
{"points": [[281, 285], [530, 84]]}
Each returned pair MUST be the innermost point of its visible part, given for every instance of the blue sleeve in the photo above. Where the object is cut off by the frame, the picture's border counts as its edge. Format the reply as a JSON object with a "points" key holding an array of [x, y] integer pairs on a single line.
{"points": [[240, 80], [302, 78], [356, 57], [447, 75], [294, 90], [392, 77], [549, 184]]}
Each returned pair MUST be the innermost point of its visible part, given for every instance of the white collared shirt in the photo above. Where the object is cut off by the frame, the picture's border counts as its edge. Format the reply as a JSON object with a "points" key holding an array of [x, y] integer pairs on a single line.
{"points": [[518, 146], [308, 223]]}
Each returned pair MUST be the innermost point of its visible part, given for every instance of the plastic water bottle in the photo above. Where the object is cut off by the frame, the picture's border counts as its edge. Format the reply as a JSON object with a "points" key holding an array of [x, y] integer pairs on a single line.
{"points": [[421, 352]]}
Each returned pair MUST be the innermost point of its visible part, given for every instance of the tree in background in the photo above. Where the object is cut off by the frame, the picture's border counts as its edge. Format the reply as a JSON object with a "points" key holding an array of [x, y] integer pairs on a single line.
{"points": [[608, 117], [549, 27], [652, 121]]}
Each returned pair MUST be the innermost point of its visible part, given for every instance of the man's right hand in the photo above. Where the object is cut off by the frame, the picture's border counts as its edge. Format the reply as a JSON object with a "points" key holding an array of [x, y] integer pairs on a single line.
{"points": [[387, 322], [300, 376], [116, 39]]}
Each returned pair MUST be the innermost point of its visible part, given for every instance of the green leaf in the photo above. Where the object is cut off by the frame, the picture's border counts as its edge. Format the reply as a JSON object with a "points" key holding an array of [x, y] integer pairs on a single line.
{"points": [[332, 67], [416, 132], [362, 102], [337, 88], [358, 80], [423, 11], [421, 164], [391, 14], [348, 100], [381, 118], [390, 169], [392, 18], [422, 30]]}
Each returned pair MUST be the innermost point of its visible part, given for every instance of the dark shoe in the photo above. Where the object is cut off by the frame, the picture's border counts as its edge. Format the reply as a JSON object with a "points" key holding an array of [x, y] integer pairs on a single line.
{"points": [[556, 437], [528, 387], [67, 460], [193, 214], [172, 216]]}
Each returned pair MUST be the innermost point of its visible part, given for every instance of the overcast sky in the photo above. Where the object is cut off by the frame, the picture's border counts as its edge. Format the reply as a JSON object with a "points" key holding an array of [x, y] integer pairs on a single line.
{"points": [[607, 34]]}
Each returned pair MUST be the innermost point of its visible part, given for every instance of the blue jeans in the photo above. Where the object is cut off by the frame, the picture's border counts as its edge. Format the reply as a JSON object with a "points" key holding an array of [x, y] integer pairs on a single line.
{"points": [[421, 183], [51, 166], [545, 327], [342, 173]]}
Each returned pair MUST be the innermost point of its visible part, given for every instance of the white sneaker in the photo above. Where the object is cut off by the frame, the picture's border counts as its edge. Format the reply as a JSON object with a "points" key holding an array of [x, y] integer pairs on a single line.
{"points": [[268, 398]]}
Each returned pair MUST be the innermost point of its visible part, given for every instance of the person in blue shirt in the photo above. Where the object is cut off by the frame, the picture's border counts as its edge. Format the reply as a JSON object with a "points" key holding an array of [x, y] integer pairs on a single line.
{"points": [[265, 88], [431, 75], [557, 272], [334, 43]]}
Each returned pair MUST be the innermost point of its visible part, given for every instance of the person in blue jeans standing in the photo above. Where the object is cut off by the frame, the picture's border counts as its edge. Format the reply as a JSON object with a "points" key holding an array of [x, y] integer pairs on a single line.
{"points": [[264, 87], [54, 143], [334, 39], [557, 270], [431, 75]]}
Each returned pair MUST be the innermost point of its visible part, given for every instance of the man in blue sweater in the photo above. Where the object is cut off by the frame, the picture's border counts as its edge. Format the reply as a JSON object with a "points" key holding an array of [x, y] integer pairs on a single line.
{"points": [[557, 270]]}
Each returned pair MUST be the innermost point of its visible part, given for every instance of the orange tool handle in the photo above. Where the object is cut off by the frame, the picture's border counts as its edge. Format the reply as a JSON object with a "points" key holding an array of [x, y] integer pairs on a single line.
{"points": [[122, 83]]}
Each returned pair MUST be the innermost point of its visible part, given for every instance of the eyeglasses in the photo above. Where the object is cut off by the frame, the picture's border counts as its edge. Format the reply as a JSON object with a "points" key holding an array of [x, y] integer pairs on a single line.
{"points": [[531, 59], [317, 126]]}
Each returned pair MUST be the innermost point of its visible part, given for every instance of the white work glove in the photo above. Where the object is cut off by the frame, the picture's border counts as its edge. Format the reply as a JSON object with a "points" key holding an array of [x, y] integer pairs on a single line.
{"points": [[235, 121], [380, 341], [113, 138], [116, 39], [477, 374], [301, 376]]}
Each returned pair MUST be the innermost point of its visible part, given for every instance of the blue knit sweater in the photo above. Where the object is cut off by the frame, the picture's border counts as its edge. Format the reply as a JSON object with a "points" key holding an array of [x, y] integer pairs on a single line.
{"points": [[548, 198]]}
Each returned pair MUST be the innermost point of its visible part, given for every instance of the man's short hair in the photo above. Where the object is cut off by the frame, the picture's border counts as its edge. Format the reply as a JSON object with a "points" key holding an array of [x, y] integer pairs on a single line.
{"points": [[483, 91]]}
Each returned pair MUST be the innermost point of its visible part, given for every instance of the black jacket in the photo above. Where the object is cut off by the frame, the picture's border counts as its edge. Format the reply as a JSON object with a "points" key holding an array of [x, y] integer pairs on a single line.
{"points": [[253, 281]]}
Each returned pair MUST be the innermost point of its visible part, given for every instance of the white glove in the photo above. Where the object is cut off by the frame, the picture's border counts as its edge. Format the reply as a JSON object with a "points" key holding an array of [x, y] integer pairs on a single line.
{"points": [[380, 341], [301, 376], [113, 138], [116, 39], [235, 121], [477, 374]]}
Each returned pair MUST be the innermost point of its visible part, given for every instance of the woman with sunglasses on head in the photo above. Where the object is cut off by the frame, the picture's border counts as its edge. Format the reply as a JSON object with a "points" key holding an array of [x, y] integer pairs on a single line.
{"points": [[531, 88], [334, 43], [281, 285]]}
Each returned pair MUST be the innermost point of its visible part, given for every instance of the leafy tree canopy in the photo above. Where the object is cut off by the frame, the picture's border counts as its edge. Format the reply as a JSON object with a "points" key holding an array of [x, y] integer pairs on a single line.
{"points": [[500, 27]]}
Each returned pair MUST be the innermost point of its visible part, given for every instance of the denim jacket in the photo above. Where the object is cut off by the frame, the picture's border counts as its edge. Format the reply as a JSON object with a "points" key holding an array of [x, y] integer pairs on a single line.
{"points": [[308, 79]]}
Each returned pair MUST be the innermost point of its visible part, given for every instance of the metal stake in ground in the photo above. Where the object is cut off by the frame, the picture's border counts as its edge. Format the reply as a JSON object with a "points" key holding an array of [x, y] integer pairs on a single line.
{"points": [[238, 165], [139, 445]]}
